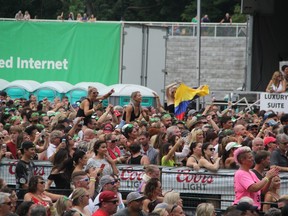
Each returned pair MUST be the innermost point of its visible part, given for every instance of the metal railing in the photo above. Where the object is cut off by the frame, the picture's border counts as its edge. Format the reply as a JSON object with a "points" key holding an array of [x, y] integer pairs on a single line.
{"points": [[174, 28], [209, 29]]}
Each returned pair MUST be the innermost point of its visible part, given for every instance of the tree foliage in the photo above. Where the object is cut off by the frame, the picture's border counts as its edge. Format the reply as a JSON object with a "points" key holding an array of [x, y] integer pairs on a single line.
{"points": [[129, 10]]}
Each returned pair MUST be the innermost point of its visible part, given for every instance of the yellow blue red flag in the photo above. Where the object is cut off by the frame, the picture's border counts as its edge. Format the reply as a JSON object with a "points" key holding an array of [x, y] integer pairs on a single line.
{"points": [[184, 95]]}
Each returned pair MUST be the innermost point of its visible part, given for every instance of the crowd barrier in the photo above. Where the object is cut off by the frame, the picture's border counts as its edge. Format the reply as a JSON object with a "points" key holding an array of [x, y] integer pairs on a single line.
{"points": [[194, 187]]}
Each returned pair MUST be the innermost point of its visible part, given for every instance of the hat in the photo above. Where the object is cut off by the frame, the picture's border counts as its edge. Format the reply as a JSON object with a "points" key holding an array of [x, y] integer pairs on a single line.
{"points": [[108, 128], [245, 206], [134, 196], [107, 196], [192, 122], [191, 112], [27, 145], [51, 113], [252, 125], [268, 140], [105, 180], [231, 145]]}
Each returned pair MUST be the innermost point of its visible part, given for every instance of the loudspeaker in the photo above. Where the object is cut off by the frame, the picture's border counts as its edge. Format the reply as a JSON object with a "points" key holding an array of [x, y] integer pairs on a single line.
{"points": [[248, 6], [257, 6]]}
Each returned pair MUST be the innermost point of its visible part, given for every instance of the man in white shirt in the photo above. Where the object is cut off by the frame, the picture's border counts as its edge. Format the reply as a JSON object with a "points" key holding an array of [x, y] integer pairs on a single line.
{"points": [[55, 140]]}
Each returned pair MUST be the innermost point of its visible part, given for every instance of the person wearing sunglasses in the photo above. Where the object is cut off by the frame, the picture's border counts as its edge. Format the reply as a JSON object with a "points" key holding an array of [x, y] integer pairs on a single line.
{"points": [[5, 203], [134, 109], [38, 195], [108, 202], [134, 202], [80, 199], [87, 108], [207, 161], [106, 183]]}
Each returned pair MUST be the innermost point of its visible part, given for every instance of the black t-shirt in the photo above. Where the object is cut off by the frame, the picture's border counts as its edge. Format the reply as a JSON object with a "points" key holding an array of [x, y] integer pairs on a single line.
{"points": [[24, 171]]}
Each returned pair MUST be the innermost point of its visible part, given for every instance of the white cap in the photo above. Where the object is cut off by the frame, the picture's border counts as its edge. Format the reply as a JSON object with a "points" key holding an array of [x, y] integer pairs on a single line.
{"points": [[231, 145]]}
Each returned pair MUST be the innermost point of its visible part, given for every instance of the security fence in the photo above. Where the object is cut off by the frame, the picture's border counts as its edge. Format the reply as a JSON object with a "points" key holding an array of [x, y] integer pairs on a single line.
{"points": [[194, 187]]}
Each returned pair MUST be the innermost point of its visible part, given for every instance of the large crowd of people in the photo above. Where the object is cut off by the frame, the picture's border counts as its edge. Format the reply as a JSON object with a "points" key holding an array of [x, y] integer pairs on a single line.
{"points": [[85, 141]]}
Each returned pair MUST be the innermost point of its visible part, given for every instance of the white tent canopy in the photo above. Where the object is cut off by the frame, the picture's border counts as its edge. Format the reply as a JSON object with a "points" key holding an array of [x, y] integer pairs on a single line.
{"points": [[59, 86], [127, 89], [85, 85], [28, 85], [3, 84]]}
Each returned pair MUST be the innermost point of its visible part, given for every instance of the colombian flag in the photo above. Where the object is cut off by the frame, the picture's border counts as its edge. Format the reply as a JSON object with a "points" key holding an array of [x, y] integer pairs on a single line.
{"points": [[184, 95]]}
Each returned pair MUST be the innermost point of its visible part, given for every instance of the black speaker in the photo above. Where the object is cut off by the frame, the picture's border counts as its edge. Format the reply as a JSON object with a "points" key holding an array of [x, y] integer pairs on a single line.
{"points": [[257, 6], [248, 6]]}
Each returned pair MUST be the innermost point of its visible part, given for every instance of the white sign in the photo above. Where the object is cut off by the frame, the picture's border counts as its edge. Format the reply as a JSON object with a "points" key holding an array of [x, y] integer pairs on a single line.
{"points": [[276, 102]]}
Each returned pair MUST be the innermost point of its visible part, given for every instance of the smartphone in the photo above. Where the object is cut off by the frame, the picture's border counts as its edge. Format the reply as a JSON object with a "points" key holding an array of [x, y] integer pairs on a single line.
{"points": [[102, 166], [64, 140]]}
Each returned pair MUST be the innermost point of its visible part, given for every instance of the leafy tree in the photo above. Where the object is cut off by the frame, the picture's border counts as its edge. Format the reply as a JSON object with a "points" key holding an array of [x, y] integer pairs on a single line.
{"points": [[129, 10]]}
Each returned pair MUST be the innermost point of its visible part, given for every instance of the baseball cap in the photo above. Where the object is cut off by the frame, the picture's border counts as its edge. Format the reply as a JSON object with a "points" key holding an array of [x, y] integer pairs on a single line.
{"points": [[245, 206], [107, 196], [27, 145], [106, 179], [191, 112], [231, 145], [268, 140], [134, 196]]}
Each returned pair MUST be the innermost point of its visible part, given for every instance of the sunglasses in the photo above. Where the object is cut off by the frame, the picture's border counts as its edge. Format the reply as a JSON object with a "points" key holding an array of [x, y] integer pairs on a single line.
{"points": [[95, 92], [7, 203], [112, 183], [212, 149], [42, 182], [113, 141], [85, 179], [2, 138]]}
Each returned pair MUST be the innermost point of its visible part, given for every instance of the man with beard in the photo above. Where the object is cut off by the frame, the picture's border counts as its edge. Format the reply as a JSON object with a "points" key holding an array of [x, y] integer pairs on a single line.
{"points": [[134, 207], [147, 149], [262, 162]]}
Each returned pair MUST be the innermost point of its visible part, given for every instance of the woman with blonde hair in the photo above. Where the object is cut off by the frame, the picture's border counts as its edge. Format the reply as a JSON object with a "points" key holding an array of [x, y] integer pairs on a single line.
{"points": [[277, 84], [205, 209], [197, 135], [173, 198], [134, 109], [80, 199], [62, 204], [87, 107]]}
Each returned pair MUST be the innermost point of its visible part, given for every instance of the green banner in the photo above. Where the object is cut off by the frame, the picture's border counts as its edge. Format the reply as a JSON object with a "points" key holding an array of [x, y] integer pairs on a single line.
{"points": [[60, 51]]}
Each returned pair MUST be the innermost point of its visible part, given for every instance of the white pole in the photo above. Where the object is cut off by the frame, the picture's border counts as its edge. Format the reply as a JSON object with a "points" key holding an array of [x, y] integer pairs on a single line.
{"points": [[198, 64]]}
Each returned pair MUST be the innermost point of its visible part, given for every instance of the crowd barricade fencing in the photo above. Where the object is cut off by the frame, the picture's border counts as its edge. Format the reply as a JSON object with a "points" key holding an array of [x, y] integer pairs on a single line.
{"points": [[194, 187]]}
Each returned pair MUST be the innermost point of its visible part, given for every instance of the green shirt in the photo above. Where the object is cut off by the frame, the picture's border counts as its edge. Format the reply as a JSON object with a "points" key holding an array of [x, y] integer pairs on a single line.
{"points": [[169, 163]]}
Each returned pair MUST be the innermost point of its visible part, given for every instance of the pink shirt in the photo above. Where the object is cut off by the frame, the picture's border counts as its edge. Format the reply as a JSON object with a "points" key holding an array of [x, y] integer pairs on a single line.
{"points": [[242, 181]]}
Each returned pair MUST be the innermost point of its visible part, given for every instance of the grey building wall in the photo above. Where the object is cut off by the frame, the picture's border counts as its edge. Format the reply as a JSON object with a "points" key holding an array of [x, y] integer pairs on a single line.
{"points": [[222, 61]]}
